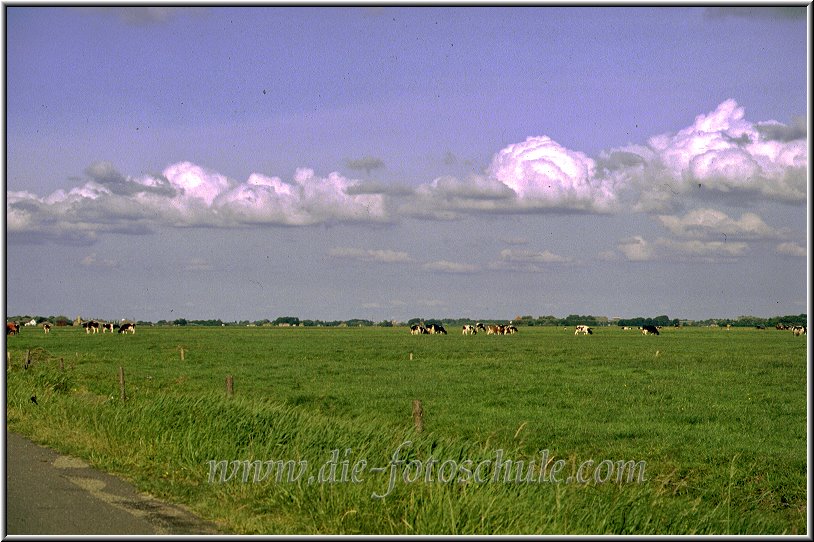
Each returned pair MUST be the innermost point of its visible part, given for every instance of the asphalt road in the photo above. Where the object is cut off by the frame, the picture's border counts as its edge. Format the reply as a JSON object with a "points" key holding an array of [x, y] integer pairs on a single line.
{"points": [[49, 493]]}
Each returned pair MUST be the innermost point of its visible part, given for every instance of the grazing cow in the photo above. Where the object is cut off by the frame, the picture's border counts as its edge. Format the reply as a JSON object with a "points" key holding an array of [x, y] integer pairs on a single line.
{"points": [[760, 327], [417, 329], [798, 330], [781, 327], [496, 329], [479, 326], [469, 330], [128, 327], [649, 330], [46, 327], [12, 328], [584, 330], [510, 330], [107, 327], [91, 327], [440, 329]]}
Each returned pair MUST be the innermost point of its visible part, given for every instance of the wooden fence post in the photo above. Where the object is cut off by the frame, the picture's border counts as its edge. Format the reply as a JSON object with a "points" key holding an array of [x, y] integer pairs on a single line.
{"points": [[182, 354], [27, 358], [411, 356], [61, 364], [230, 386], [418, 416], [123, 395]]}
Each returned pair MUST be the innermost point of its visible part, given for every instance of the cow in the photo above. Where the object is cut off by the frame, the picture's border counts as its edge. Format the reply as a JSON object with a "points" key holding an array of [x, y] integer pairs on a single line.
{"points": [[107, 327], [417, 329], [440, 329], [626, 328], [781, 327], [496, 329], [584, 330], [46, 327], [649, 330], [91, 327], [12, 328], [124, 328], [510, 330], [798, 330], [480, 327], [469, 330], [760, 326]]}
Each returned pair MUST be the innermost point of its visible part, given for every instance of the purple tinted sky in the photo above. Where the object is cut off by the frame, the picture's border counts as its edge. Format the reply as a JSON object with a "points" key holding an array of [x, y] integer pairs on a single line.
{"points": [[397, 98]]}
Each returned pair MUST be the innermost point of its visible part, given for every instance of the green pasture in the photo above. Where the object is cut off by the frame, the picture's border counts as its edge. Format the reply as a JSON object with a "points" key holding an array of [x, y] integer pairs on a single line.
{"points": [[719, 418]]}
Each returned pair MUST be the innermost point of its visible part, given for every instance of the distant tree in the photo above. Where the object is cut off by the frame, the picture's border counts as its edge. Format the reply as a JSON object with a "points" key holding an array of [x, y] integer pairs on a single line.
{"points": [[180, 322]]}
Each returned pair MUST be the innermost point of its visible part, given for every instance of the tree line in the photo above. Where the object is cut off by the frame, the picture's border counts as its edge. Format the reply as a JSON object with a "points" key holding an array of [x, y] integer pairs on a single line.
{"points": [[570, 320]]}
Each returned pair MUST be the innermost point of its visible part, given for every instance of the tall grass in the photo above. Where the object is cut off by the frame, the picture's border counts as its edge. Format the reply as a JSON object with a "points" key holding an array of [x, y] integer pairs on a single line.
{"points": [[719, 418]]}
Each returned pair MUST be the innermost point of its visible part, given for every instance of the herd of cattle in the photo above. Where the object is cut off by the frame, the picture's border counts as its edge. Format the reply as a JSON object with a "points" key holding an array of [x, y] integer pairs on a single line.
{"points": [[92, 326], [497, 329], [468, 329]]}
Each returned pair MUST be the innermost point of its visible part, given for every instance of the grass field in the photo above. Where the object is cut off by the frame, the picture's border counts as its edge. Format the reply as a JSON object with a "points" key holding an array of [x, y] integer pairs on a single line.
{"points": [[718, 416]]}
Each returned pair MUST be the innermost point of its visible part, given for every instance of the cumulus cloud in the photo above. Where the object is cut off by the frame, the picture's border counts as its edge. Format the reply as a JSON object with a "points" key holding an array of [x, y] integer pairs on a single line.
{"points": [[638, 249], [791, 249], [720, 151], [444, 266], [370, 255], [449, 198], [544, 174], [701, 223], [186, 194]]}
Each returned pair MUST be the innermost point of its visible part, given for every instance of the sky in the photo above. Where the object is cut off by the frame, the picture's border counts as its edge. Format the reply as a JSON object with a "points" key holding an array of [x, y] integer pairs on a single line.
{"points": [[244, 163]]}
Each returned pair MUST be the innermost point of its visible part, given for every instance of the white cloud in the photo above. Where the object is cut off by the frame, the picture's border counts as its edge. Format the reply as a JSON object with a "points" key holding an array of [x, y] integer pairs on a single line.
{"points": [[545, 174], [791, 249], [638, 249], [444, 266], [720, 152], [370, 255], [706, 222]]}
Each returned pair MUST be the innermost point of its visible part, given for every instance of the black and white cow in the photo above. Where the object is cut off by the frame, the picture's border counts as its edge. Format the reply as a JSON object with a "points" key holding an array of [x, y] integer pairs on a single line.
{"points": [[480, 327], [417, 329], [510, 330], [584, 330], [107, 327], [469, 330], [649, 330], [46, 327], [91, 327], [436, 329], [798, 330], [127, 327]]}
